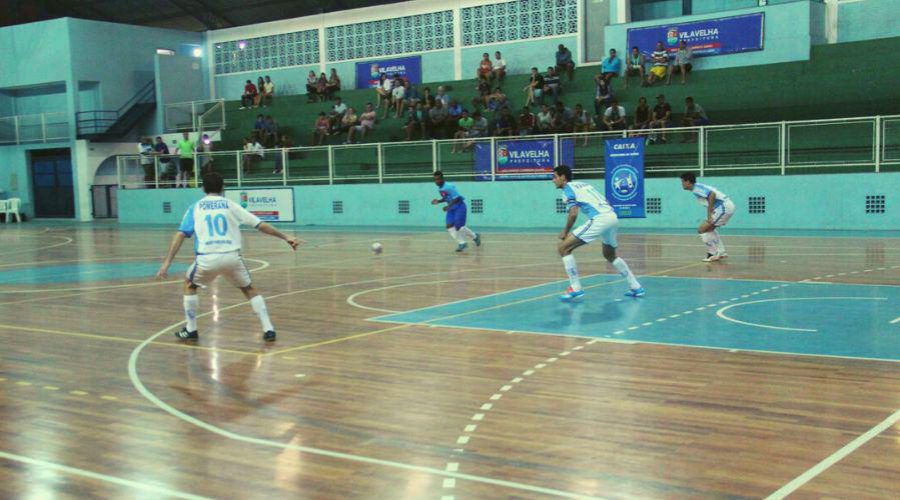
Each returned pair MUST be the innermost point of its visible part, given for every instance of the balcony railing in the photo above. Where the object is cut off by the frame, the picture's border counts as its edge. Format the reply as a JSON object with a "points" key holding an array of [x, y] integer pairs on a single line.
{"points": [[195, 115], [28, 129]]}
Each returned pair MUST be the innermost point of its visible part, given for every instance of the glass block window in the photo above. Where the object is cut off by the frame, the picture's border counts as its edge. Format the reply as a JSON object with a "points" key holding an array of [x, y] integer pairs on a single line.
{"points": [[654, 205], [276, 51], [756, 204], [875, 204], [399, 35], [519, 20]]}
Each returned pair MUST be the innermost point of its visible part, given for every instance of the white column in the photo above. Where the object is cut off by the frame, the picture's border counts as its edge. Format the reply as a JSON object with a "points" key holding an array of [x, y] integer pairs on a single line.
{"points": [[457, 43]]}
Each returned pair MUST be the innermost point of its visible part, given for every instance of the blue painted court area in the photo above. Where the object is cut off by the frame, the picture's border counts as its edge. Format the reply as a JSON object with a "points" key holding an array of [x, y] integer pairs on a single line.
{"points": [[796, 318], [84, 273]]}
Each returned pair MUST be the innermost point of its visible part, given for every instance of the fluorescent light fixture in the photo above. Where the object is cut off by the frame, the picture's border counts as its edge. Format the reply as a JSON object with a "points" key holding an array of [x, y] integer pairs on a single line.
{"points": [[197, 52]]}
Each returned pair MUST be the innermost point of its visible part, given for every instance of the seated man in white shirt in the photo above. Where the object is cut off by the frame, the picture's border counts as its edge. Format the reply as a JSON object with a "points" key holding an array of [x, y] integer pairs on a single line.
{"points": [[498, 68]]}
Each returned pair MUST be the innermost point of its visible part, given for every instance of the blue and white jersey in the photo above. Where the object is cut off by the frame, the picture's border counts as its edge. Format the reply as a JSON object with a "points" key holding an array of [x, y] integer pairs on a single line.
{"points": [[701, 191], [215, 223], [586, 198], [449, 193]]}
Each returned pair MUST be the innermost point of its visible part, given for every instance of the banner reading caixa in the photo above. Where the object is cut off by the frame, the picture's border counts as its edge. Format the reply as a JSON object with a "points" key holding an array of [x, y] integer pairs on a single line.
{"points": [[624, 177], [519, 160], [270, 205], [707, 37], [408, 68]]}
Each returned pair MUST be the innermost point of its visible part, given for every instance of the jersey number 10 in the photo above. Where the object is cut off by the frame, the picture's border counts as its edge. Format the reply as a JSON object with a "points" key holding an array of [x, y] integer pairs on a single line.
{"points": [[217, 225]]}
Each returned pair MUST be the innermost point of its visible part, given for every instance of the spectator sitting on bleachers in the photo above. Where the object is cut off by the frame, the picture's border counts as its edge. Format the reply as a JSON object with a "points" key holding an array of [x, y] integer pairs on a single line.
{"points": [[253, 153], [366, 123], [261, 92], [564, 62], [411, 97], [259, 126], [565, 118], [614, 117], [283, 142], [544, 119], [249, 95], [498, 68], [495, 100], [270, 131], [552, 85], [634, 66], [321, 130], [694, 115], [660, 61], [485, 68], [415, 122], [442, 96], [334, 84], [322, 87], [479, 129], [337, 112], [463, 126], [383, 91], [437, 118], [455, 110], [269, 95], [682, 63], [641, 115], [611, 66], [347, 121], [311, 86], [603, 96], [535, 87], [662, 112], [526, 121], [398, 94], [581, 122], [427, 98], [484, 89], [504, 123]]}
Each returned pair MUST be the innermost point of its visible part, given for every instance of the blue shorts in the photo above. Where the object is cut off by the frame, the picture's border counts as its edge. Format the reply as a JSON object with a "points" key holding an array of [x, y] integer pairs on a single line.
{"points": [[456, 215]]}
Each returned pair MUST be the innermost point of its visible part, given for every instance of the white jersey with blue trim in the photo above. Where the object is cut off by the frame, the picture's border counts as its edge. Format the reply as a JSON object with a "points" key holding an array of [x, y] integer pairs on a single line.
{"points": [[215, 223], [586, 198], [701, 191]]}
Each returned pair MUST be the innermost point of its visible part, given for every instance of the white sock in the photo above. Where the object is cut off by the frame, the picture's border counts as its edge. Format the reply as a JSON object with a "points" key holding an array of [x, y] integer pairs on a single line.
{"points": [[624, 270], [191, 304], [572, 271], [465, 231], [710, 240], [259, 307], [719, 244], [455, 235]]}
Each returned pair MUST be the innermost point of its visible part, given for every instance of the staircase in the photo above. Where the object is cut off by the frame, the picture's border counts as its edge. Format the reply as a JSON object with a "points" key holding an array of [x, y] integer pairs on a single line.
{"points": [[114, 125]]}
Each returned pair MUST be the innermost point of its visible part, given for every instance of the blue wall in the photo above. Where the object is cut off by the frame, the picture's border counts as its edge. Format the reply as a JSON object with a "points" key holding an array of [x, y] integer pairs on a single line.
{"points": [[520, 55], [535, 203], [787, 35], [35, 53], [868, 19]]}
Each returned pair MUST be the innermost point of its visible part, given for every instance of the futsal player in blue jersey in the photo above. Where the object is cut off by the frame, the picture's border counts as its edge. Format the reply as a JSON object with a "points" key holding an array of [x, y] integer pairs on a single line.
{"points": [[214, 223], [602, 223], [456, 212], [719, 209]]}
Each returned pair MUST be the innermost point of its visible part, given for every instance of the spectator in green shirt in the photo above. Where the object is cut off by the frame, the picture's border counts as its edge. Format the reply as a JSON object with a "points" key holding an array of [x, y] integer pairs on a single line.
{"points": [[186, 149], [465, 124]]}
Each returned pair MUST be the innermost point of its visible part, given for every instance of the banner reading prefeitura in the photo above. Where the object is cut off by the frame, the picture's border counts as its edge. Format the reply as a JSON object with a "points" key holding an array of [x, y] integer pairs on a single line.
{"points": [[624, 177], [707, 37], [408, 68], [270, 205], [517, 159]]}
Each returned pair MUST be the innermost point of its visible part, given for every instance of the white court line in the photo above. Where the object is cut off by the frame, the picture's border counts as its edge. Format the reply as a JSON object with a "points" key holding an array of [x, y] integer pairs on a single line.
{"points": [[30, 250], [721, 312], [96, 475], [895, 320], [834, 458]]}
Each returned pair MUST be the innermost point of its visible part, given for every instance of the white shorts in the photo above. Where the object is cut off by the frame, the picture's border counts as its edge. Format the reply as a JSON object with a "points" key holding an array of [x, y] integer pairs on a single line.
{"points": [[207, 267], [722, 213], [604, 227]]}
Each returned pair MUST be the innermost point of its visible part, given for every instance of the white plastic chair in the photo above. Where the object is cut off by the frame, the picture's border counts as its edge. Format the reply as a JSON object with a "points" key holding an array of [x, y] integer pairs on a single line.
{"points": [[12, 208], [3, 207]]}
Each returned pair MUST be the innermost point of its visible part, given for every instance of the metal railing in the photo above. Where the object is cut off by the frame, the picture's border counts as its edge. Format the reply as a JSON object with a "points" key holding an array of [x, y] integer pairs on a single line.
{"points": [[195, 115], [98, 121], [864, 144], [26, 129]]}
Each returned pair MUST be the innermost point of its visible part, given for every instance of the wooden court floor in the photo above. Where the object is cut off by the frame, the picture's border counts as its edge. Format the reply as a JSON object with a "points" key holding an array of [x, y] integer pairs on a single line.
{"points": [[97, 399]]}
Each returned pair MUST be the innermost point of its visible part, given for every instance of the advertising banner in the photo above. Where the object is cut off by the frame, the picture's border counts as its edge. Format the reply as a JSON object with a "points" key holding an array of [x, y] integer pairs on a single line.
{"points": [[408, 68], [518, 160], [270, 205], [625, 176], [708, 37]]}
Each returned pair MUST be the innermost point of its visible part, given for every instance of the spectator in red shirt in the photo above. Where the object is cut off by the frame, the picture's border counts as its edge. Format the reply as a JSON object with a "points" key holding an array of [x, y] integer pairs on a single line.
{"points": [[249, 96]]}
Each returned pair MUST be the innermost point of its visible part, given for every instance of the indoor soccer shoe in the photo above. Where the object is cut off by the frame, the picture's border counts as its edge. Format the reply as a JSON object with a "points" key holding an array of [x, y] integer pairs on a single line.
{"points": [[571, 295], [184, 334], [637, 292], [269, 336], [461, 247], [477, 239], [712, 258]]}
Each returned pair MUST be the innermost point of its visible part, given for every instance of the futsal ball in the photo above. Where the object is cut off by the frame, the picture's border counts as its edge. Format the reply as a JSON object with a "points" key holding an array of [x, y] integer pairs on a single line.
{"points": [[376, 247]]}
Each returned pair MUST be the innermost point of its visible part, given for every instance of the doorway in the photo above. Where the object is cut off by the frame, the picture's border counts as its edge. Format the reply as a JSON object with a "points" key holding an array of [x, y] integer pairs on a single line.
{"points": [[51, 174]]}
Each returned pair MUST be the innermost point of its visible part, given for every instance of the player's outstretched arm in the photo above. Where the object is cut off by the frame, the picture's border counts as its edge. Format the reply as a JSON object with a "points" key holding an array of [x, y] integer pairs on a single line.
{"points": [[271, 231], [174, 246]]}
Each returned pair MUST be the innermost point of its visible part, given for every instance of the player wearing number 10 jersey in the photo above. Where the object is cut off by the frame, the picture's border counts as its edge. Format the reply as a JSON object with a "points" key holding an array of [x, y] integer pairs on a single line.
{"points": [[214, 223]]}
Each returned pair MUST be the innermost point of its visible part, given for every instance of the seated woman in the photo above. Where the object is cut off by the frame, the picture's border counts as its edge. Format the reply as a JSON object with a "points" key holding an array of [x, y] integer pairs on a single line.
{"points": [[312, 86], [485, 68], [261, 86], [322, 87], [383, 91], [321, 130], [334, 84]]}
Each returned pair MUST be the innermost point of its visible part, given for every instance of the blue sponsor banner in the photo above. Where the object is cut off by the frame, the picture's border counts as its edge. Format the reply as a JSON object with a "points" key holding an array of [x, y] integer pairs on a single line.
{"points": [[625, 176], [708, 37], [522, 159], [368, 72]]}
